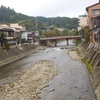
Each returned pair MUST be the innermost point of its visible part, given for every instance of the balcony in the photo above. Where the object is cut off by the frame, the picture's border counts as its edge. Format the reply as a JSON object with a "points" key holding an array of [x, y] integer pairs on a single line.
{"points": [[9, 38]]}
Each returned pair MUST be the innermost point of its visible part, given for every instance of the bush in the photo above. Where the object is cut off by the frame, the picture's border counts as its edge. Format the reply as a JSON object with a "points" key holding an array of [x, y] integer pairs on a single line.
{"points": [[7, 46]]}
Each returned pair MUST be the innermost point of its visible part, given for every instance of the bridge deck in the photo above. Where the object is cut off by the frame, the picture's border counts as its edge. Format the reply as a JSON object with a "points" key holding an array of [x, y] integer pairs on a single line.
{"points": [[61, 37]]}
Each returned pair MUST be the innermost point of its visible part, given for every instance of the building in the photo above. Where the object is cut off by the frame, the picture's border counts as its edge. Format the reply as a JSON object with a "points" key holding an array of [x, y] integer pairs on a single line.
{"points": [[11, 35], [83, 21], [19, 30], [94, 22], [33, 36], [25, 36], [9, 38]]}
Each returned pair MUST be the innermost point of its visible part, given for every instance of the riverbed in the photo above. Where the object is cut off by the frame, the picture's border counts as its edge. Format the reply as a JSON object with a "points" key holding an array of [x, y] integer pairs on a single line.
{"points": [[69, 79]]}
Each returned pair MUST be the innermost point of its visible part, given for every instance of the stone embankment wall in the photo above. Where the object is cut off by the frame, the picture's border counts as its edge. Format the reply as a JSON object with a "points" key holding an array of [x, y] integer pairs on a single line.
{"points": [[8, 56], [91, 55]]}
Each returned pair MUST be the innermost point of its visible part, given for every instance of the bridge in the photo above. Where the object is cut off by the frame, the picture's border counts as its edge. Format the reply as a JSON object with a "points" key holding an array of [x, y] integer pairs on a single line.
{"points": [[43, 41]]}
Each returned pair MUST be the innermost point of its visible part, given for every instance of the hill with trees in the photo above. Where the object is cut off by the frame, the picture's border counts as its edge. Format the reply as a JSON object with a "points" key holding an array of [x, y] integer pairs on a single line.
{"points": [[8, 15]]}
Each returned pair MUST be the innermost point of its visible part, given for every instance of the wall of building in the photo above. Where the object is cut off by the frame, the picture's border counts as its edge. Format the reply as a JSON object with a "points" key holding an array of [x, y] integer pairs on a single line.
{"points": [[90, 14], [83, 21]]}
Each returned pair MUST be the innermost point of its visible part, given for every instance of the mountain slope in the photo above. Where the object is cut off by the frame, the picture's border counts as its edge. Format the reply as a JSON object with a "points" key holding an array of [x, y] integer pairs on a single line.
{"points": [[8, 15]]}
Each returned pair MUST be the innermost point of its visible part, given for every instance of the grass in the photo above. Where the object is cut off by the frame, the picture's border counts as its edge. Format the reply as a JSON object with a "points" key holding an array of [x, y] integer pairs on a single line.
{"points": [[88, 66], [78, 52]]}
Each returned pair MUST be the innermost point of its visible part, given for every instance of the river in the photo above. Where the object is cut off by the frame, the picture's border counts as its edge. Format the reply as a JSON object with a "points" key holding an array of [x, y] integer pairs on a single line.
{"points": [[71, 83]]}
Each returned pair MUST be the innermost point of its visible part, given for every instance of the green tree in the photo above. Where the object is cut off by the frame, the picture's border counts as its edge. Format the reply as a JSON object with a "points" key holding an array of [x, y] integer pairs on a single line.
{"points": [[4, 43], [86, 34], [75, 33], [65, 32], [52, 33], [8, 15]]}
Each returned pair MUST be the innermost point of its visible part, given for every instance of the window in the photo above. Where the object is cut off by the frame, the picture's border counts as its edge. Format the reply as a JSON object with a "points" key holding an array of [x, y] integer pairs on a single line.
{"points": [[96, 22], [97, 37], [96, 12]]}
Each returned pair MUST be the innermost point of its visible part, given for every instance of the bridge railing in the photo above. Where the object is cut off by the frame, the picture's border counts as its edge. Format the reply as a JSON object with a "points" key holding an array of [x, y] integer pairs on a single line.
{"points": [[62, 37]]}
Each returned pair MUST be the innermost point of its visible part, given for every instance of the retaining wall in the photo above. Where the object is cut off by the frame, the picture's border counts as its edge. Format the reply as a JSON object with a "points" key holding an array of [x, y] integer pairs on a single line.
{"points": [[92, 55], [8, 56]]}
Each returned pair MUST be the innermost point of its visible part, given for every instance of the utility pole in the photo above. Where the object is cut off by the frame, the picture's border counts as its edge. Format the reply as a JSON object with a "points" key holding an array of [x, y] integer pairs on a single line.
{"points": [[36, 24]]}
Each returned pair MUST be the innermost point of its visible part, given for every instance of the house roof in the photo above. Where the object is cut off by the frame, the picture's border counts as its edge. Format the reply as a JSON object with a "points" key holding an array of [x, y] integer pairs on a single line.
{"points": [[4, 26], [92, 6], [16, 25], [8, 30]]}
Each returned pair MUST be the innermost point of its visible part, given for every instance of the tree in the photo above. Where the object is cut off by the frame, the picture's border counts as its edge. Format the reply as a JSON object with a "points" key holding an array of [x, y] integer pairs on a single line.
{"points": [[8, 15], [86, 34], [52, 33], [74, 33], [4, 43], [65, 32]]}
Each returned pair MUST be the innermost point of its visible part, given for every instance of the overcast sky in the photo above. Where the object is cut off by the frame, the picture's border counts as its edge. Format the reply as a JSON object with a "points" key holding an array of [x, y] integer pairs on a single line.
{"points": [[49, 8]]}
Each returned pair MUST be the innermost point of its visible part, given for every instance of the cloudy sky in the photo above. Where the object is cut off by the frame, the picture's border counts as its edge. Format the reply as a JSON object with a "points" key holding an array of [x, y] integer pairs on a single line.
{"points": [[49, 8]]}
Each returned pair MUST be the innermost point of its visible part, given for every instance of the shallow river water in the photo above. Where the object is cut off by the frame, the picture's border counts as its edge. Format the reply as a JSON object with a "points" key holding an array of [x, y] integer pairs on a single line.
{"points": [[71, 83]]}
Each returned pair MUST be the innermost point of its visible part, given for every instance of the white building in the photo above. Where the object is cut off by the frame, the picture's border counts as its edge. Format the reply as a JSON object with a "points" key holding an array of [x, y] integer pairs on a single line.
{"points": [[25, 36], [83, 21]]}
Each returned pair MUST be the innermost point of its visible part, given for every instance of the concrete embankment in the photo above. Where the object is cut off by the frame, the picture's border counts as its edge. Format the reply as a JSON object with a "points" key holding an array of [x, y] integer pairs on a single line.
{"points": [[91, 56], [8, 56]]}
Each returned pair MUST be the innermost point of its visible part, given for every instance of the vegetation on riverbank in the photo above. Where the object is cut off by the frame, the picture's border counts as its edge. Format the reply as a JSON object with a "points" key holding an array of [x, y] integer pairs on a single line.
{"points": [[89, 67], [85, 61], [4, 42]]}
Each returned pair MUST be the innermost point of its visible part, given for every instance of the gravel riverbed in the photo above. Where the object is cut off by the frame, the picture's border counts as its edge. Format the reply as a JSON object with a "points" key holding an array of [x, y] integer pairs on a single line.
{"points": [[29, 83]]}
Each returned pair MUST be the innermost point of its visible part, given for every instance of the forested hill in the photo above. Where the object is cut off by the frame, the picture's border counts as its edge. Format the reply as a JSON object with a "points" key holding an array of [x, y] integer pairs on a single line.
{"points": [[8, 15]]}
